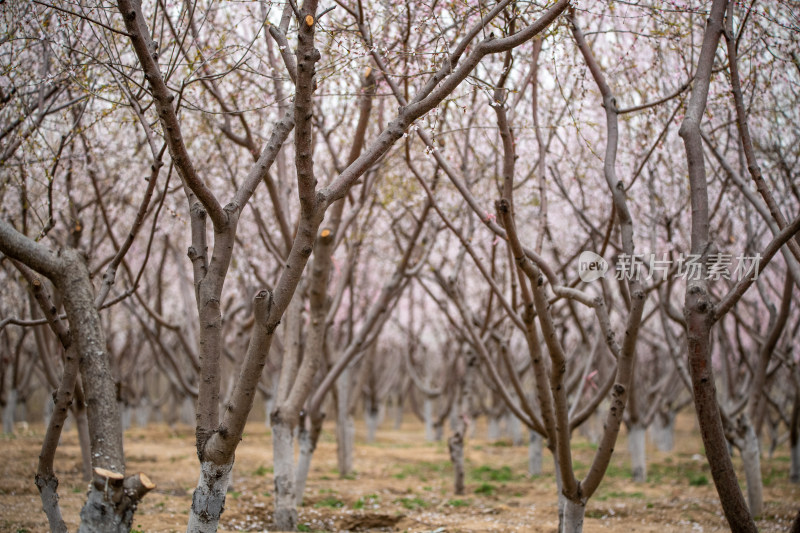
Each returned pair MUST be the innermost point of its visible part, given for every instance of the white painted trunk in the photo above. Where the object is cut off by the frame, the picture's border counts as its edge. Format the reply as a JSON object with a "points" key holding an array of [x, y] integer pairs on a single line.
{"points": [[283, 462], [493, 428], [372, 419], [515, 429], [794, 471], [125, 415], [636, 446], [98, 515], [751, 460], [188, 412], [208, 500], [398, 412], [455, 445], [427, 413], [534, 453], [562, 500], [142, 413], [303, 464], [49, 496], [8, 412], [573, 516], [663, 432]]}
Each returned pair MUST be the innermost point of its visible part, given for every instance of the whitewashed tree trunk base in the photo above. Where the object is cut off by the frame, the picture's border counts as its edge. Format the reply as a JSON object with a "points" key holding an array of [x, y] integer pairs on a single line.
{"points": [[534, 453], [455, 445], [283, 460], [8, 412], [751, 460], [48, 492], [208, 500], [573, 516], [427, 413], [636, 446]]}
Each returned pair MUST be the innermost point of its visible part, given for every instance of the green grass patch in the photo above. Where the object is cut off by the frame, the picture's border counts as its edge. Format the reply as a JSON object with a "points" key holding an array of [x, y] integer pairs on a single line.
{"points": [[698, 480], [424, 470], [487, 473], [485, 489], [368, 499], [331, 501], [412, 504], [458, 503], [262, 470], [619, 494]]}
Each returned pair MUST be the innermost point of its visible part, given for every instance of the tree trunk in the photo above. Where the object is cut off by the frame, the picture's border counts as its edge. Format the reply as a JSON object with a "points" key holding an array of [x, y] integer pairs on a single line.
{"points": [[283, 462], [534, 453], [515, 429], [82, 424], [573, 516], [112, 501], [751, 459], [562, 500], [794, 441], [372, 419], [636, 446], [48, 492], [208, 500], [308, 437], [345, 429], [398, 410], [663, 431], [8, 411], [143, 413], [493, 428], [455, 445], [427, 413]]}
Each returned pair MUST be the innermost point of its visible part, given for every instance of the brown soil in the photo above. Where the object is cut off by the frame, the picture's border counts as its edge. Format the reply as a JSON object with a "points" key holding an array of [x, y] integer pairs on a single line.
{"points": [[402, 483]]}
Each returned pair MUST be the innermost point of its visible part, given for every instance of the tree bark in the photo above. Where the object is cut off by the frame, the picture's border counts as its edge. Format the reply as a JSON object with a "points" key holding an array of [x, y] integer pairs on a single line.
{"points": [[794, 441], [573, 516], [455, 445], [534, 453], [698, 307], [636, 446], [663, 431], [8, 411], [285, 517], [208, 500], [345, 429], [751, 460]]}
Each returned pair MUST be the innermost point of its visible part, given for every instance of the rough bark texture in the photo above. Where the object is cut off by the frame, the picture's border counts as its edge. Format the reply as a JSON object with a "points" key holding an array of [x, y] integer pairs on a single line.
{"points": [[455, 445], [208, 500], [112, 501], [636, 446], [48, 492]]}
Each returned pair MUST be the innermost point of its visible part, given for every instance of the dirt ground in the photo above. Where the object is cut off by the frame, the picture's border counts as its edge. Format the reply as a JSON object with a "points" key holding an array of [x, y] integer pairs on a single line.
{"points": [[401, 483]]}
